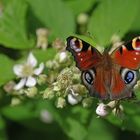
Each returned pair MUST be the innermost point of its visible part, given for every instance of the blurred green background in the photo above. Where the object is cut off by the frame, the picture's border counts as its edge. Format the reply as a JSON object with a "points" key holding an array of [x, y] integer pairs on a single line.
{"points": [[99, 19]]}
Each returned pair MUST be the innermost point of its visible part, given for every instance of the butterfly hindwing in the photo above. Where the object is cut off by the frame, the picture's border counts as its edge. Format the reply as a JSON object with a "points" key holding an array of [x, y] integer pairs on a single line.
{"points": [[84, 54], [128, 55]]}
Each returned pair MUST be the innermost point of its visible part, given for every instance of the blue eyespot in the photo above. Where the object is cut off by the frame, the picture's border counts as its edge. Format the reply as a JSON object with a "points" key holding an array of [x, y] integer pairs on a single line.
{"points": [[88, 77], [129, 76]]}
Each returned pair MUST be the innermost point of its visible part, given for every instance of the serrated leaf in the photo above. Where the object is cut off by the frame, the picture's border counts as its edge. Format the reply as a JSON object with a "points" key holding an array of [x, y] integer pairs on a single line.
{"points": [[112, 17], [6, 69], [55, 16], [13, 32]]}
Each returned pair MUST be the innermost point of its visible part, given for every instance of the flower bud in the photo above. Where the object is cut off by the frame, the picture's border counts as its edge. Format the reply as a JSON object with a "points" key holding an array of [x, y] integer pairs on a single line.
{"points": [[42, 38], [31, 92], [87, 102], [61, 102], [52, 64], [8, 87], [112, 104], [72, 100], [82, 18], [46, 116], [58, 44], [62, 57], [79, 89], [15, 101], [42, 79], [56, 86], [48, 93], [102, 110], [73, 97]]}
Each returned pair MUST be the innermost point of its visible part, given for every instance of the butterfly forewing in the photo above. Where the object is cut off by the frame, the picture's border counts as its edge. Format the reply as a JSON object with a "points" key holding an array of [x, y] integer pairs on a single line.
{"points": [[128, 55], [85, 55]]}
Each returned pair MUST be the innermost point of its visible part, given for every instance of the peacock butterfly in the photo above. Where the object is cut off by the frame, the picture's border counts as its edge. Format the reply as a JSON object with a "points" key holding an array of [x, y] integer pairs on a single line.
{"points": [[107, 76]]}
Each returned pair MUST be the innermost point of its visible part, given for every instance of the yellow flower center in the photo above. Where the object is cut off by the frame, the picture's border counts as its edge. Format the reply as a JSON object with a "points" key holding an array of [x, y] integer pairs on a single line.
{"points": [[27, 70]]}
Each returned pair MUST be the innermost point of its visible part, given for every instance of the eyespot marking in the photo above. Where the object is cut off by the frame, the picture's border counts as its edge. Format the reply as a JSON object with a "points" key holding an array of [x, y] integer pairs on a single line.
{"points": [[76, 44], [136, 43]]}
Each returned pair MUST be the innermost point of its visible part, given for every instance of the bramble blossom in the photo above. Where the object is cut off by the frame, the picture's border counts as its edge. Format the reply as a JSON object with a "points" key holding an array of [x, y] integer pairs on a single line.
{"points": [[27, 72]]}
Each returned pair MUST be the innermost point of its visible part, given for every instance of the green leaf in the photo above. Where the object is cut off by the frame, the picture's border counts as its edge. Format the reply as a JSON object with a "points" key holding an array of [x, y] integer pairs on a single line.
{"points": [[13, 32], [80, 6], [18, 113], [69, 119], [99, 130], [131, 119], [135, 25], [43, 56], [112, 17], [2, 129], [55, 16], [6, 69]]}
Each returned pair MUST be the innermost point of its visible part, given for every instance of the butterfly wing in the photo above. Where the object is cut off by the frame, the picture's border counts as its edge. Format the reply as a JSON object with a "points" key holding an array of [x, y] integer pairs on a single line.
{"points": [[84, 54], [128, 55]]}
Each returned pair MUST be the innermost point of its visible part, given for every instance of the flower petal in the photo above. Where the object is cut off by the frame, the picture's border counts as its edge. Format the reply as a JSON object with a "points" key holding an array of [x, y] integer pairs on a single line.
{"points": [[31, 81], [31, 60], [18, 69], [20, 84], [39, 70]]}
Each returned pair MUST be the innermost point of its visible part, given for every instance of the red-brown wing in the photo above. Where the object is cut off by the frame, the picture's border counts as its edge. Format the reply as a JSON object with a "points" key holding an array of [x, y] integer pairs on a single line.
{"points": [[118, 87], [128, 55], [85, 55], [110, 85]]}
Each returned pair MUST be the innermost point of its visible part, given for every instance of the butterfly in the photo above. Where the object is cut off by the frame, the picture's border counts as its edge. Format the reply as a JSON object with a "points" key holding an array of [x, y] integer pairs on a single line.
{"points": [[107, 76]]}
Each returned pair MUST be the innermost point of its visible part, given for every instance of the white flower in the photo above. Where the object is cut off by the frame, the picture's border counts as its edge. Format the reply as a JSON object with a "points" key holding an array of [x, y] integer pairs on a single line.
{"points": [[27, 71], [102, 110], [74, 98]]}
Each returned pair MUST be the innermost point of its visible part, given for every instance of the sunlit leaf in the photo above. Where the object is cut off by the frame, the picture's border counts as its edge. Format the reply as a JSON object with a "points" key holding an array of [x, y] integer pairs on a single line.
{"points": [[13, 33], [112, 17], [6, 69], [55, 16]]}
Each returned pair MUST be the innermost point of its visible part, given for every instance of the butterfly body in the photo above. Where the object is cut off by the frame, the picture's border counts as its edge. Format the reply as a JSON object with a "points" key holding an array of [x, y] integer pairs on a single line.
{"points": [[107, 76]]}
